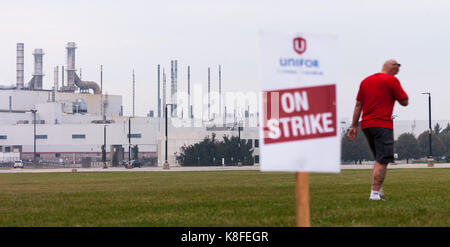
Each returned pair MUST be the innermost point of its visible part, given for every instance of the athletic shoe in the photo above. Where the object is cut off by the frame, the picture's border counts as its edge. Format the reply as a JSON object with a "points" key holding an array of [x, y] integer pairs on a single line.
{"points": [[382, 194], [376, 198]]}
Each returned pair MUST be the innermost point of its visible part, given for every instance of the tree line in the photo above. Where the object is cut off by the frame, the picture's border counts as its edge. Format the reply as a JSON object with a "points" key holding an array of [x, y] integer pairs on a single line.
{"points": [[407, 146], [211, 152]]}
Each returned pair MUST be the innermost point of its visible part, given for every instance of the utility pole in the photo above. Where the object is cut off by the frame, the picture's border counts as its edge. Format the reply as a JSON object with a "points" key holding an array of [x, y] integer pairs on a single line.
{"points": [[34, 139], [134, 85], [166, 163], [101, 93], [104, 147], [239, 144], [430, 154], [129, 140]]}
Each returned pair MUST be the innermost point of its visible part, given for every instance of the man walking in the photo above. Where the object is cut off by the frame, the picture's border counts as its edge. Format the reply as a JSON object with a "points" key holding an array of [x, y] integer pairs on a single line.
{"points": [[376, 98]]}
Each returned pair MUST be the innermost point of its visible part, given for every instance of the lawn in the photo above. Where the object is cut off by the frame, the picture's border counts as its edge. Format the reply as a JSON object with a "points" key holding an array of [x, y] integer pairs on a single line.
{"points": [[416, 197]]}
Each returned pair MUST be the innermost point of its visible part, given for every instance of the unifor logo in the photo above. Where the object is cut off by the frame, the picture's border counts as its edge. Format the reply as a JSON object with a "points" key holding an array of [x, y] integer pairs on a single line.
{"points": [[299, 45]]}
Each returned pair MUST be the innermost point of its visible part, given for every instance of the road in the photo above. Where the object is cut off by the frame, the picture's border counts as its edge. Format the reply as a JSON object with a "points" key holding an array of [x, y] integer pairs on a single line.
{"points": [[202, 168]]}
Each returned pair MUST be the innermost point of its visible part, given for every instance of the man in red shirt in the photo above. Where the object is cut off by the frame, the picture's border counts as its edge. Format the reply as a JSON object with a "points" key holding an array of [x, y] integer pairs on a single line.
{"points": [[376, 98]]}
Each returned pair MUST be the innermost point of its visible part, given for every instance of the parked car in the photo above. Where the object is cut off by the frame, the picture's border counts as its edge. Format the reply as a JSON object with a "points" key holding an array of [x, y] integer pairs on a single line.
{"points": [[124, 162], [18, 164], [134, 163]]}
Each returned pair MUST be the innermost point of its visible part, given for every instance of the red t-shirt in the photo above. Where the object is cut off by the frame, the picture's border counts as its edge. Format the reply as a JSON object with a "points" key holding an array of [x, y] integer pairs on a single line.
{"points": [[377, 94]]}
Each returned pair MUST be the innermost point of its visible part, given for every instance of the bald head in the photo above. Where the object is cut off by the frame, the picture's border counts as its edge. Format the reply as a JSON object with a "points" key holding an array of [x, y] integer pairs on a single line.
{"points": [[391, 67]]}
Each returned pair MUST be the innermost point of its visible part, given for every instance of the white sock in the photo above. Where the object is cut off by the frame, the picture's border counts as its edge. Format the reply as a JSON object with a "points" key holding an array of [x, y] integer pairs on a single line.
{"points": [[381, 192]]}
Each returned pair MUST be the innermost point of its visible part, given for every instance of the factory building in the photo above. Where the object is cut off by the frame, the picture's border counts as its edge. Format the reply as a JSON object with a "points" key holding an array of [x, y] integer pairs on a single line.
{"points": [[69, 123]]}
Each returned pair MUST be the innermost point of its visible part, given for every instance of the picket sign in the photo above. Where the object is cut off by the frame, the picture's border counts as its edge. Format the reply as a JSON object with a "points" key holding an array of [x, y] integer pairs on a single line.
{"points": [[299, 120]]}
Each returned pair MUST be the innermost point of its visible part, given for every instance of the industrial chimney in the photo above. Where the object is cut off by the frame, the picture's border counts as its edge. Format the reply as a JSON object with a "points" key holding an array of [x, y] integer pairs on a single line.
{"points": [[173, 86], [38, 68], [71, 46], [19, 64], [73, 80], [55, 81]]}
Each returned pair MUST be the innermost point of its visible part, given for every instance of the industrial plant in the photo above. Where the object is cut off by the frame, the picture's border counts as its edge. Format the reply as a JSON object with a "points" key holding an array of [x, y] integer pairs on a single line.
{"points": [[69, 123]]}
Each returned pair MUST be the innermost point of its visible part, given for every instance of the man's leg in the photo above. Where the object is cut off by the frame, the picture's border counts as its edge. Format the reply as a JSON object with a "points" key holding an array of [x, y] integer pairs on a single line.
{"points": [[384, 146], [378, 176]]}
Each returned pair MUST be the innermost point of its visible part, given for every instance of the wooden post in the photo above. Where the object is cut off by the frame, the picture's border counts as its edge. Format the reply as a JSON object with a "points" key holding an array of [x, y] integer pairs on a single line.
{"points": [[302, 194]]}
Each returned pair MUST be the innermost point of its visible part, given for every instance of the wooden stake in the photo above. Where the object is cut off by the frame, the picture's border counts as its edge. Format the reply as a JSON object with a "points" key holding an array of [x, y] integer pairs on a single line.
{"points": [[302, 193]]}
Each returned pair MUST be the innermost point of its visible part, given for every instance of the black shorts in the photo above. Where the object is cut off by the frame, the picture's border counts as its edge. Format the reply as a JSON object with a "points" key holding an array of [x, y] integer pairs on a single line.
{"points": [[381, 142]]}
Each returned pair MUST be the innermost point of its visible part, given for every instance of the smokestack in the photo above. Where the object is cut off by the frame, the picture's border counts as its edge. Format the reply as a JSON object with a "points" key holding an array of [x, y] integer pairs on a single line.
{"points": [[176, 88], [159, 93], [189, 92], [62, 76], [19, 65], [71, 46], [220, 92], [38, 65], [164, 93], [134, 85], [173, 87], [209, 94], [55, 86]]}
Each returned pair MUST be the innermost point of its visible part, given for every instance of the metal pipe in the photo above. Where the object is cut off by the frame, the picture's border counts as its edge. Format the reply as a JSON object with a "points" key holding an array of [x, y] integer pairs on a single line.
{"points": [[189, 92], [166, 135], [164, 90], [85, 85], [62, 76], [174, 107], [209, 94], [173, 87], [159, 93], [55, 86], [129, 140], [34, 134]]}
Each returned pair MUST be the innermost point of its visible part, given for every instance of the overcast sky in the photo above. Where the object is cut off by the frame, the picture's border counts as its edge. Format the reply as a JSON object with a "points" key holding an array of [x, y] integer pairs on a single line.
{"points": [[127, 35]]}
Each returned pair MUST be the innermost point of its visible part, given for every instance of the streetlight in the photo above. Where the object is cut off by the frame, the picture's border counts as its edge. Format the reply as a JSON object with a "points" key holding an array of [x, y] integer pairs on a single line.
{"points": [[239, 143], [430, 156], [129, 140], [104, 147], [166, 163], [34, 139]]}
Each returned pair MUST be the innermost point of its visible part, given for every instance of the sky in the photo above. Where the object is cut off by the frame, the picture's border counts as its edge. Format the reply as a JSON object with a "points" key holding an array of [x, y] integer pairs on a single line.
{"points": [[139, 35]]}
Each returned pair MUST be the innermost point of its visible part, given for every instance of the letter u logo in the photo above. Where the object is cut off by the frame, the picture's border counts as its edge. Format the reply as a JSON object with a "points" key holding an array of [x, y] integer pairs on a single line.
{"points": [[299, 45]]}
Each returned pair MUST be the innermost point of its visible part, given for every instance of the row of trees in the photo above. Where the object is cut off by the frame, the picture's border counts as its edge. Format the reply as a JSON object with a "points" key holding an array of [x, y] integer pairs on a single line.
{"points": [[211, 151], [407, 146]]}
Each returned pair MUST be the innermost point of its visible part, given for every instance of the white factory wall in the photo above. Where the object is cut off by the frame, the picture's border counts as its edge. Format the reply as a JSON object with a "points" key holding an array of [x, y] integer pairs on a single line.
{"points": [[178, 137], [24, 100], [59, 136]]}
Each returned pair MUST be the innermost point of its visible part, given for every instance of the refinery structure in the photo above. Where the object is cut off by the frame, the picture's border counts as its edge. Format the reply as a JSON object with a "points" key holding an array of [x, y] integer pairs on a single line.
{"points": [[69, 123]]}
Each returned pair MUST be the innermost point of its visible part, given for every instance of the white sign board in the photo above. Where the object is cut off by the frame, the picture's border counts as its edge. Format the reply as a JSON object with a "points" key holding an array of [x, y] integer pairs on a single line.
{"points": [[299, 122]]}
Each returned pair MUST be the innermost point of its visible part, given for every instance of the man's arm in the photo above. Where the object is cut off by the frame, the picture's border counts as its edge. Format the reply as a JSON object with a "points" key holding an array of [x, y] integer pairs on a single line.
{"points": [[404, 102], [356, 114]]}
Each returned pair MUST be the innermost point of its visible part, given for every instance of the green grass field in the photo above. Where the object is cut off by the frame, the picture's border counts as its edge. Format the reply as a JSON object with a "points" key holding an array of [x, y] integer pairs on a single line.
{"points": [[416, 197]]}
